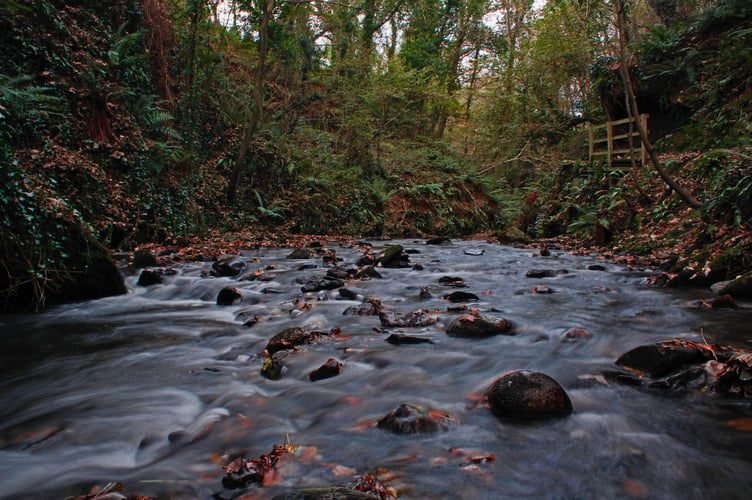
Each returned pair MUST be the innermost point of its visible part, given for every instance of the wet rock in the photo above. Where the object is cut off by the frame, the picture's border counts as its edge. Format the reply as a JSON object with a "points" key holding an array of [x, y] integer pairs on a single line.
{"points": [[513, 235], [575, 335], [452, 281], [331, 493], [287, 339], [418, 267], [228, 295], [540, 273], [318, 283], [740, 288], [300, 253], [330, 369], [369, 308], [227, 267], [400, 339], [719, 302], [425, 293], [392, 256], [149, 278], [660, 359], [526, 394], [347, 294], [461, 297], [694, 377], [545, 252], [474, 252], [412, 419], [596, 267], [542, 290], [292, 337], [418, 318], [368, 272], [438, 241], [368, 259], [688, 365], [340, 273], [470, 326], [143, 258], [274, 367]]}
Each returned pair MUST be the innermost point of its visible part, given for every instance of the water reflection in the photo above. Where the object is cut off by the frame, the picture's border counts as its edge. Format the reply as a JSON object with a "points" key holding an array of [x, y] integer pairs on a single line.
{"points": [[161, 387]]}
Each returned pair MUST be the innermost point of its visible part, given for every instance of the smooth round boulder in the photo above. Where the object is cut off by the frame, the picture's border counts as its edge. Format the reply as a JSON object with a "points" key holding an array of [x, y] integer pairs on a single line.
{"points": [[528, 395]]}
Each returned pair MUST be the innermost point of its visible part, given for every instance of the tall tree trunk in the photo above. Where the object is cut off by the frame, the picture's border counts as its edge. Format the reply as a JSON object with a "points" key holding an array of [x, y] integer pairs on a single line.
{"points": [[195, 18], [258, 103], [634, 112]]}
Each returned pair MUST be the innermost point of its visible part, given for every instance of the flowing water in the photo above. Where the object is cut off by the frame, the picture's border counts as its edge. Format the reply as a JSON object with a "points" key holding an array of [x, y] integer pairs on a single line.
{"points": [[159, 388]]}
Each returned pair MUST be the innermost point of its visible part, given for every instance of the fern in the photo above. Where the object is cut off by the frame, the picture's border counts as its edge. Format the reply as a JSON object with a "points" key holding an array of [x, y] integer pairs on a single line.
{"points": [[275, 211], [153, 120]]}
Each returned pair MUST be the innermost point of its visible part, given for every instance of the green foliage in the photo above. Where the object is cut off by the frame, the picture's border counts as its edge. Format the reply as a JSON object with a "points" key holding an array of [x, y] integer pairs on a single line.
{"points": [[29, 110]]}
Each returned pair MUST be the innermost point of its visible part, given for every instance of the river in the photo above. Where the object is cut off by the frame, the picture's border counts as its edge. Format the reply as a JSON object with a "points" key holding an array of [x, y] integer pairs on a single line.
{"points": [[159, 388]]}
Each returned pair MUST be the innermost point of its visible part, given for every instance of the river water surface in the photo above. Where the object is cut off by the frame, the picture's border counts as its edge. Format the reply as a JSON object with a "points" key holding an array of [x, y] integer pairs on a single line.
{"points": [[159, 388]]}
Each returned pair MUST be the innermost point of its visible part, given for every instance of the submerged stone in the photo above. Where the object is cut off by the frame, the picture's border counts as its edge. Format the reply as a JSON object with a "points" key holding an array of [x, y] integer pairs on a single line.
{"points": [[540, 273], [330, 369], [461, 297], [412, 419], [369, 308], [401, 339], [332, 493], [526, 394]]}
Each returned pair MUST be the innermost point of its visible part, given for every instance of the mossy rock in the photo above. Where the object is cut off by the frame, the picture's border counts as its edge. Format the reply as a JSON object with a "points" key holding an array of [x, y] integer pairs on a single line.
{"points": [[738, 288], [513, 235], [391, 256]]}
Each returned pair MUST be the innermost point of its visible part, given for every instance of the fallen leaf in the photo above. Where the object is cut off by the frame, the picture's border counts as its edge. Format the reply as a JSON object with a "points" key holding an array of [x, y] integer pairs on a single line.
{"points": [[741, 424], [633, 488], [341, 470]]}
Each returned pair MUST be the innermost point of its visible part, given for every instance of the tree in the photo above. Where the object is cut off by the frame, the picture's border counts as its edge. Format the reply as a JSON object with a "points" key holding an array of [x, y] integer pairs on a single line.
{"points": [[620, 7]]}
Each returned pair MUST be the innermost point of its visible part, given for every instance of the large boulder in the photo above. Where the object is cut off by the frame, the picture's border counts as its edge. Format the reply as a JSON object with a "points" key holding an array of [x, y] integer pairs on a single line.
{"points": [[657, 360], [739, 288], [526, 394]]}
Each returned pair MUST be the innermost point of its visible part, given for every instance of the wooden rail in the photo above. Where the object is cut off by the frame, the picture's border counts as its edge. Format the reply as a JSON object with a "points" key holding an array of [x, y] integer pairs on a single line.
{"points": [[620, 152]]}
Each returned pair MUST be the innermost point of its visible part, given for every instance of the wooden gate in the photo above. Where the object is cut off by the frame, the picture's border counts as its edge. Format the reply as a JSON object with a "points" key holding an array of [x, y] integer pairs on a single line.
{"points": [[619, 141]]}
